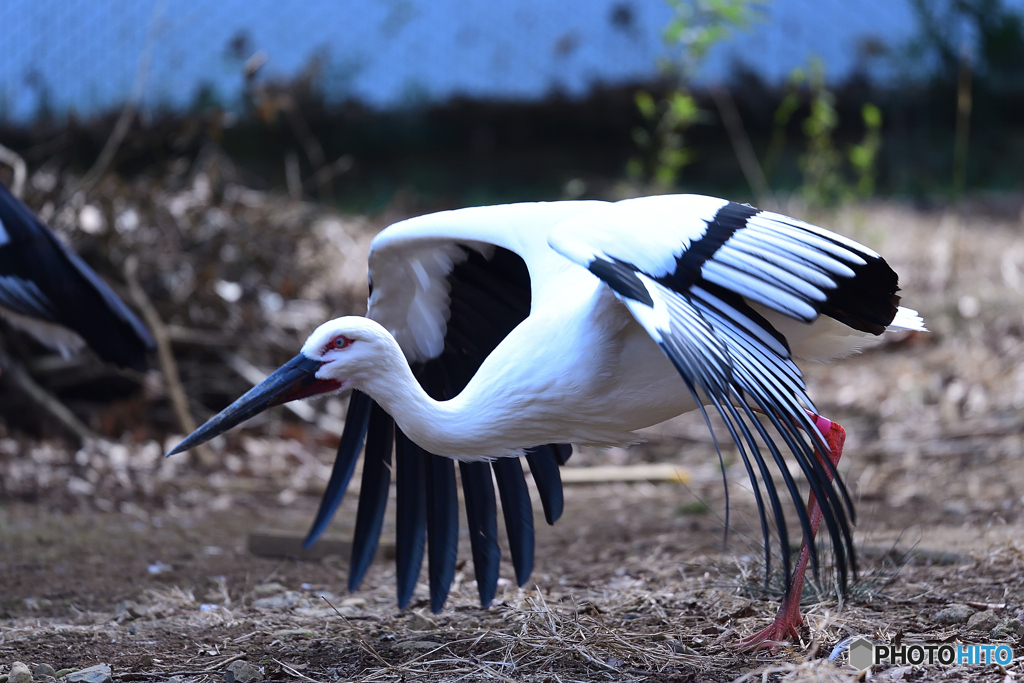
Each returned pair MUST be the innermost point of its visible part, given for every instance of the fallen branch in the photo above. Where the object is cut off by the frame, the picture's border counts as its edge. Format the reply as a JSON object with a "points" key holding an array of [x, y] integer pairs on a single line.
{"points": [[168, 366], [284, 544], [14, 160], [743, 149], [50, 404], [341, 165], [127, 115]]}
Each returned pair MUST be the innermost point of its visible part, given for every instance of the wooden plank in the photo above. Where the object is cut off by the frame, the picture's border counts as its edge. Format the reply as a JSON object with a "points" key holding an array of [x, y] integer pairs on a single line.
{"points": [[285, 544], [611, 473]]}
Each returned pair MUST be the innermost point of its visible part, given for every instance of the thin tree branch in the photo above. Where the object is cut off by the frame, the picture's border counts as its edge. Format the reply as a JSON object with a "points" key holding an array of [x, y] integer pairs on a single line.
{"points": [[50, 404], [168, 366], [744, 150], [13, 159], [124, 121]]}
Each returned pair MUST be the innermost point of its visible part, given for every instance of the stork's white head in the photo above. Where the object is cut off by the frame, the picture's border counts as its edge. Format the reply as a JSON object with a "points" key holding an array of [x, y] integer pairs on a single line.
{"points": [[349, 352]]}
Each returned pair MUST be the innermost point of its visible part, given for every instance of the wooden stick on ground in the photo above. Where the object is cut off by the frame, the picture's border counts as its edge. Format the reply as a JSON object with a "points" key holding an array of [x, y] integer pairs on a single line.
{"points": [[13, 371], [168, 366], [14, 160], [613, 473]]}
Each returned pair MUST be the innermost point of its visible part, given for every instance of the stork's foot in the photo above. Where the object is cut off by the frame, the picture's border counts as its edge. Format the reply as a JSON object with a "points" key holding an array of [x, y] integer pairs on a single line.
{"points": [[781, 630]]}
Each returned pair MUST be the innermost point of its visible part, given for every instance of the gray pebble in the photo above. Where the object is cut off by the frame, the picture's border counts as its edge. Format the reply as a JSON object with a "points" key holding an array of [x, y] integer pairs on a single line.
{"points": [[1010, 627], [44, 670], [281, 601], [954, 614], [94, 674], [420, 622], [983, 621], [244, 672], [19, 673]]}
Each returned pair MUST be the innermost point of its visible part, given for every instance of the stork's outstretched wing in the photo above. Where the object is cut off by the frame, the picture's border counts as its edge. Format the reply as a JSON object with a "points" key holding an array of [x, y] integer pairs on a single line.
{"points": [[42, 281], [711, 281], [450, 286]]}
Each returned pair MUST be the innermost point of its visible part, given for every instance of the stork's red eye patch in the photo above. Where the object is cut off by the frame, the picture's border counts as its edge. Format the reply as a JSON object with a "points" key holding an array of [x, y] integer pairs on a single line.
{"points": [[339, 342]]}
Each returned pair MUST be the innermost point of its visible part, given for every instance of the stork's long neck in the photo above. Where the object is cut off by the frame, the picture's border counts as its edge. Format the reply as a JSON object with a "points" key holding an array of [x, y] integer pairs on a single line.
{"points": [[443, 427]]}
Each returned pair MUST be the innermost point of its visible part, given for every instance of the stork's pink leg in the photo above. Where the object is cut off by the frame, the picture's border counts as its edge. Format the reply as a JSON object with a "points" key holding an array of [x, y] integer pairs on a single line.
{"points": [[788, 618]]}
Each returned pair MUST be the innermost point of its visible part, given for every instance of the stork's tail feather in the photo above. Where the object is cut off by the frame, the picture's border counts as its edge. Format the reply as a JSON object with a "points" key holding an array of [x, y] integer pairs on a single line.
{"points": [[907, 319]]}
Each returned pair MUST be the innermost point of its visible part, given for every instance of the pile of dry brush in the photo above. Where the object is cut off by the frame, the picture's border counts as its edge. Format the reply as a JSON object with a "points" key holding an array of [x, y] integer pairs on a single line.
{"points": [[232, 279]]}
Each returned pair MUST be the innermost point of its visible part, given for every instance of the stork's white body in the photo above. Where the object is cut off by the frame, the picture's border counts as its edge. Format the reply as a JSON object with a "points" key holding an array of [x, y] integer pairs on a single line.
{"points": [[530, 391], [522, 329]]}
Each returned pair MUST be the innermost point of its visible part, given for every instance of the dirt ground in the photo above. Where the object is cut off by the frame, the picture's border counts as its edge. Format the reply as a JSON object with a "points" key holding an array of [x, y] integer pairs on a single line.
{"points": [[112, 555]]}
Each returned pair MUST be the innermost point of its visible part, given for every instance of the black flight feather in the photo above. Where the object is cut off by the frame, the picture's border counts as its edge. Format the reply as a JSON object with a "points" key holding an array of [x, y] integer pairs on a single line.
{"points": [[356, 421], [373, 493], [442, 527], [544, 462], [410, 515], [482, 521], [518, 512], [724, 350]]}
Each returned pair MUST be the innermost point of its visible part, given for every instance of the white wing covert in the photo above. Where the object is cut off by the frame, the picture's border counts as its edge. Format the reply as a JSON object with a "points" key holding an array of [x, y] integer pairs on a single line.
{"points": [[411, 261]]}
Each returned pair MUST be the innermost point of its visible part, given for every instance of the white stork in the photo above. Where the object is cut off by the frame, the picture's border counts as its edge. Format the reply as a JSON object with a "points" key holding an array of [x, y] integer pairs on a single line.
{"points": [[49, 292], [501, 331]]}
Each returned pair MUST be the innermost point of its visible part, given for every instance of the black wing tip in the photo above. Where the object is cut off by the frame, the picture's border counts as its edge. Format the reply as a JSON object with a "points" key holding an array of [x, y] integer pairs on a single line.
{"points": [[373, 494], [442, 527], [544, 468], [313, 536], [517, 509], [833, 512], [482, 521], [351, 445], [410, 516]]}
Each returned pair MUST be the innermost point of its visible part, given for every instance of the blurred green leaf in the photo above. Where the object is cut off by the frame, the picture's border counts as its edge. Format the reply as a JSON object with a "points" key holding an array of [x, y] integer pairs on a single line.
{"points": [[645, 103], [683, 108], [665, 176], [872, 115]]}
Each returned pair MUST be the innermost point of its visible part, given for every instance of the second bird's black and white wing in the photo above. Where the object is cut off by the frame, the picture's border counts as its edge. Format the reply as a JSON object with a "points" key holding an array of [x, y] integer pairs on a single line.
{"points": [[47, 290], [450, 287], [712, 282]]}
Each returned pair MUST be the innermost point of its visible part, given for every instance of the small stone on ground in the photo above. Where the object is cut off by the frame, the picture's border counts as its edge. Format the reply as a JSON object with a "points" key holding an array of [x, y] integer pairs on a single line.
{"points": [[94, 674], [44, 670], [19, 673], [954, 614], [983, 621], [245, 672]]}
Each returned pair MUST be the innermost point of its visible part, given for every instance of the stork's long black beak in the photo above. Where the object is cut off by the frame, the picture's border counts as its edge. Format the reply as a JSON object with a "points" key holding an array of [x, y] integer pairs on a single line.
{"points": [[295, 379]]}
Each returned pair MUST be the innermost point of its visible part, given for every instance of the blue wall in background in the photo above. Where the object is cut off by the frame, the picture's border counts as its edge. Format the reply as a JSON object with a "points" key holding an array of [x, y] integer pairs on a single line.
{"points": [[82, 55]]}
